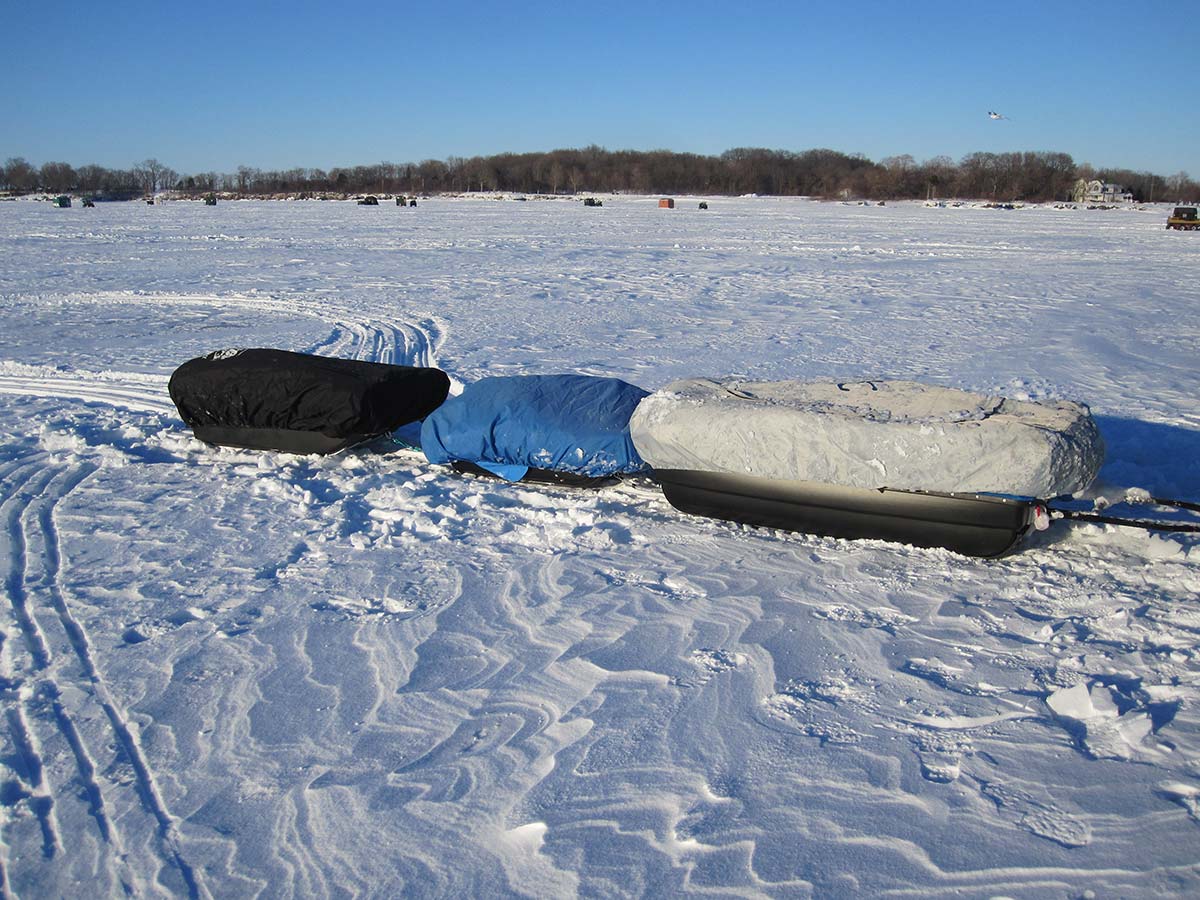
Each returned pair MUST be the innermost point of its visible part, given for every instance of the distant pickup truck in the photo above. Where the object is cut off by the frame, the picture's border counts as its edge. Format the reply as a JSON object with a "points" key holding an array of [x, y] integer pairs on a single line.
{"points": [[1184, 218]]}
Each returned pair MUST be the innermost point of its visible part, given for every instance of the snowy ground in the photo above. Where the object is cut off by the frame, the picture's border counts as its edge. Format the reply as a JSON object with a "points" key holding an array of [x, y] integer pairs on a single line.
{"points": [[236, 674]]}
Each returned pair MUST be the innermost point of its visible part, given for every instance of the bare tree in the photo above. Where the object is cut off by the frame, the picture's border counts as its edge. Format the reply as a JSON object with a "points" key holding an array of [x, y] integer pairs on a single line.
{"points": [[57, 177], [247, 178], [150, 172], [90, 178], [1177, 184], [816, 172], [20, 175]]}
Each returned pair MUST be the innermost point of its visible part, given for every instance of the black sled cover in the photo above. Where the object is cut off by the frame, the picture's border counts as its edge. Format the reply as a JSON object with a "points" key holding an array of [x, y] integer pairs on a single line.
{"points": [[299, 403]]}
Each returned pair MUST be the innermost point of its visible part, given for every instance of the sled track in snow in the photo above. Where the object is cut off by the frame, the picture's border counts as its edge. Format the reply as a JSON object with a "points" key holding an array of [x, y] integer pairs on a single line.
{"points": [[67, 732], [350, 336], [49, 692], [400, 345], [145, 393], [373, 341]]}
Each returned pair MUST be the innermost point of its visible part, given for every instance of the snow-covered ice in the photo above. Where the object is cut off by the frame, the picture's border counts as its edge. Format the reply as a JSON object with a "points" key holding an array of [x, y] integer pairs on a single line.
{"points": [[229, 673]]}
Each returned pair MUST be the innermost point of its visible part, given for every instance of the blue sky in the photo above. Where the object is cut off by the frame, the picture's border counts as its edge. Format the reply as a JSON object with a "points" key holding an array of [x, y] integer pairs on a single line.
{"points": [[211, 86]]}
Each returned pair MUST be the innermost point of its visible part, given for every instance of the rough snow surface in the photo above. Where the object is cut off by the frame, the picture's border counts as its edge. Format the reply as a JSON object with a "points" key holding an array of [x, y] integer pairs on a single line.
{"points": [[870, 434], [236, 674]]}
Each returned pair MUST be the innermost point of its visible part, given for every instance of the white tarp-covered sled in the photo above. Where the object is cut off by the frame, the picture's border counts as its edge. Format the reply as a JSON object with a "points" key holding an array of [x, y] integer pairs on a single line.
{"points": [[894, 460]]}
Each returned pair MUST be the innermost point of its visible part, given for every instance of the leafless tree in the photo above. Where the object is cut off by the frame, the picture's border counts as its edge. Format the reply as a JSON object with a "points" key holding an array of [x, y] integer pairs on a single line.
{"points": [[150, 172], [20, 175], [57, 177]]}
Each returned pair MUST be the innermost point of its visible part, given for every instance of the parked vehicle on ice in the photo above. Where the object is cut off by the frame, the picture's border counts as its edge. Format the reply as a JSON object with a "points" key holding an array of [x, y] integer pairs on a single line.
{"points": [[1184, 218]]}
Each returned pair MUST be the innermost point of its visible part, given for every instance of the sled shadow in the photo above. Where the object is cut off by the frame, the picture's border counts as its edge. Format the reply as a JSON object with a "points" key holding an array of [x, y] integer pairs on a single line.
{"points": [[1158, 457]]}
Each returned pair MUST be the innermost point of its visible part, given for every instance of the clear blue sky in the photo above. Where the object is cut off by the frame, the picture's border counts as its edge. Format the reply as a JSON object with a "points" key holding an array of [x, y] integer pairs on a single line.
{"points": [[211, 86]]}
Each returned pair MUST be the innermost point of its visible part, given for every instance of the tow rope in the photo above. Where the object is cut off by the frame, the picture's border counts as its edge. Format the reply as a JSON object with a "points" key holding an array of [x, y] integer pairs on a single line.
{"points": [[1099, 517]]}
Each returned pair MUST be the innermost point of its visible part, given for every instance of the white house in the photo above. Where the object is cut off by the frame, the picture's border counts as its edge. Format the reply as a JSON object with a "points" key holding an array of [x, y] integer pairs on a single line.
{"points": [[1101, 192]]}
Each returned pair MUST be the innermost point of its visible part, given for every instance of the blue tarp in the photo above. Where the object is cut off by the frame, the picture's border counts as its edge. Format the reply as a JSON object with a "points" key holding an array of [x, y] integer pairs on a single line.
{"points": [[563, 423]]}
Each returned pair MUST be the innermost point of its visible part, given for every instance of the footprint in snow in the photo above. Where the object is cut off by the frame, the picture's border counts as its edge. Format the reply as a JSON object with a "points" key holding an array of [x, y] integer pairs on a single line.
{"points": [[948, 676], [813, 706], [712, 662], [1038, 816], [880, 617], [941, 753]]}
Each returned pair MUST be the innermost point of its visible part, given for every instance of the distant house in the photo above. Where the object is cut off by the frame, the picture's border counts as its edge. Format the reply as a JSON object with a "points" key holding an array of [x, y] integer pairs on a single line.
{"points": [[666, 203], [1100, 192]]}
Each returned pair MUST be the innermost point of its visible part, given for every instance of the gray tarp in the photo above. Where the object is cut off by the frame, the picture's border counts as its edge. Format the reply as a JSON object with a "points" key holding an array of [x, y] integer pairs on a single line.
{"points": [[872, 434]]}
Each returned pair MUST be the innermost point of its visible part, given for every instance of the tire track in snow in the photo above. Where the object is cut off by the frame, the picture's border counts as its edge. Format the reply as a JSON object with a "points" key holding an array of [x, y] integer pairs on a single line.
{"points": [[144, 783], [369, 339], [401, 344], [29, 768], [408, 344], [29, 507], [32, 775], [128, 390], [14, 507]]}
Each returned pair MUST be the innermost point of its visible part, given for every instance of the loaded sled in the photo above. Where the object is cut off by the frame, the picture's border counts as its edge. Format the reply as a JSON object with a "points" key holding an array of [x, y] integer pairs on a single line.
{"points": [[568, 430], [891, 460], [265, 399]]}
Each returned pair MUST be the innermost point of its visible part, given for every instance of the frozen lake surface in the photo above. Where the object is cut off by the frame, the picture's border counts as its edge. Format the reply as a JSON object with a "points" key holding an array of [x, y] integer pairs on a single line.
{"points": [[229, 673]]}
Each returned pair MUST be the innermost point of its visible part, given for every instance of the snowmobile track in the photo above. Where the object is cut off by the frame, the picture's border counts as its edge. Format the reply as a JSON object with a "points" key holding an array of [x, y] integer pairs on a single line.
{"points": [[30, 505], [403, 344], [349, 336], [151, 398]]}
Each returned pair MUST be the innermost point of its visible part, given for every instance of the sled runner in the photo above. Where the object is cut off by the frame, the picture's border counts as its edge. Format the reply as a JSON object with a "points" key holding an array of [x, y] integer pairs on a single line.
{"points": [[537, 476], [971, 524], [299, 403]]}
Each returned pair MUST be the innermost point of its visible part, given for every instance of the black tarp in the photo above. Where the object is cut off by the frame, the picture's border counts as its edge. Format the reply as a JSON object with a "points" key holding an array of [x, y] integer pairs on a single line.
{"points": [[298, 403]]}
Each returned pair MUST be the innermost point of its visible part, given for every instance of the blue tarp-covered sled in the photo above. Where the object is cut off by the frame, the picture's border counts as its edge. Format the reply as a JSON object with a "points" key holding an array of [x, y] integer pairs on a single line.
{"points": [[564, 429]]}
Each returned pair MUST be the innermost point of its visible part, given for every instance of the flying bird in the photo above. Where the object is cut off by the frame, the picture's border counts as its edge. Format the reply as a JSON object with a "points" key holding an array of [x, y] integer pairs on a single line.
{"points": [[996, 115]]}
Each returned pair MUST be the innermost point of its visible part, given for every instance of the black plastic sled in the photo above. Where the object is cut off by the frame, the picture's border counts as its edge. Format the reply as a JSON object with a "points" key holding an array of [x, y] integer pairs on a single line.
{"points": [[299, 403], [970, 524]]}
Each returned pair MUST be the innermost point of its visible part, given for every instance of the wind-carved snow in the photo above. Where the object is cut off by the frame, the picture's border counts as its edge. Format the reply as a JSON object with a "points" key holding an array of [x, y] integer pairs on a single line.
{"points": [[228, 673]]}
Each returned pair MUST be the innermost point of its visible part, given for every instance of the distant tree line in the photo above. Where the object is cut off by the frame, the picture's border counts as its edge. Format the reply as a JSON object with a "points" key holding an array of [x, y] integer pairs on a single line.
{"points": [[1028, 176]]}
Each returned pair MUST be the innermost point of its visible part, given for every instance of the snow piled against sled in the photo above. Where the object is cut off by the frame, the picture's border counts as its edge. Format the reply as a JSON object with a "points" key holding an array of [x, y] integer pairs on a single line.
{"points": [[229, 673]]}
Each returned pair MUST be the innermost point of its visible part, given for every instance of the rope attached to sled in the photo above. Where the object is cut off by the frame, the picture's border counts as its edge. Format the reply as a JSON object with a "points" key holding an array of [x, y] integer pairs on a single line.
{"points": [[1101, 518], [1147, 524]]}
